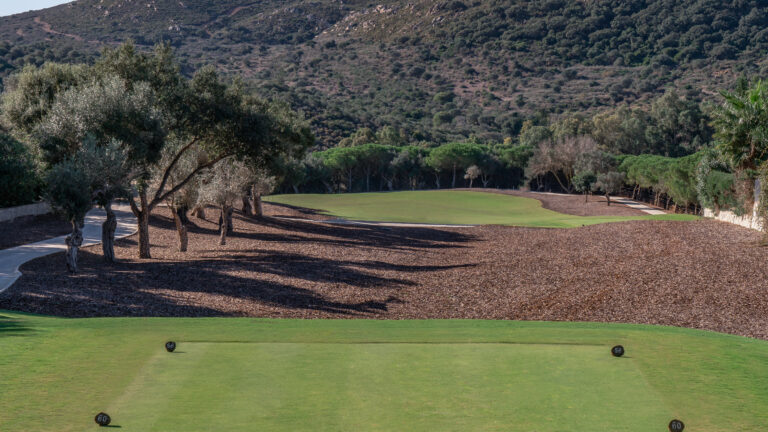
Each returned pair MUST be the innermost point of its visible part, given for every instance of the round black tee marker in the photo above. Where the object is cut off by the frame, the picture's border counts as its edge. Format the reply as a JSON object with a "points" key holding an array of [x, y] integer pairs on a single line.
{"points": [[102, 419], [617, 351], [170, 346], [676, 426]]}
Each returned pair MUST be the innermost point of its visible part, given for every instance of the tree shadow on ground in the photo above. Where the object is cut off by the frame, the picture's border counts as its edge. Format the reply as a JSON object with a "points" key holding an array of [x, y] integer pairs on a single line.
{"points": [[12, 327], [233, 285], [338, 235], [257, 281]]}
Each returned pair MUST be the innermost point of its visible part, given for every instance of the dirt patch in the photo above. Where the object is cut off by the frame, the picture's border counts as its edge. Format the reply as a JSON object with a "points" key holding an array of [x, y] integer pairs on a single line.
{"points": [[594, 205], [31, 229], [703, 274]]}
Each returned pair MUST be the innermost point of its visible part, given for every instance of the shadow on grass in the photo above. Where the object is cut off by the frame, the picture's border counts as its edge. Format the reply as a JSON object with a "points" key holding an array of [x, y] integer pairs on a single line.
{"points": [[12, 327]]}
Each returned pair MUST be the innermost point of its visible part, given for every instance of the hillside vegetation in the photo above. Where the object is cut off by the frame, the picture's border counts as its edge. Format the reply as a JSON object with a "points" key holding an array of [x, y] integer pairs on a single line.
{"points": [[434, 70]]}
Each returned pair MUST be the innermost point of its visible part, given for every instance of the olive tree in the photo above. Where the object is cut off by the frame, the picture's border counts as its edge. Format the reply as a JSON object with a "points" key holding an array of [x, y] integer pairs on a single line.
{"points": [[186, 197], [108, 177], [609, 183], [261, 184], [68, 194], [222, 186], [121, 131], [472, 173], [203, 112], [583, 181], [29, 95], [561, 158]]}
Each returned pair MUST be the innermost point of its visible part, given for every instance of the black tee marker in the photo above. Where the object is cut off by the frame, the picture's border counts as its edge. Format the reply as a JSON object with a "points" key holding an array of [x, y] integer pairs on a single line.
{"points": [[102, 419], [617, 351], [676, 426], [170, 346]]}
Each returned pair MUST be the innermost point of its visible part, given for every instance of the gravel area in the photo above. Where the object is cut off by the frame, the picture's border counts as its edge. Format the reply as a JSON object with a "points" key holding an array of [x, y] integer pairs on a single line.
{"points": [[31, 229], [704, 274]]}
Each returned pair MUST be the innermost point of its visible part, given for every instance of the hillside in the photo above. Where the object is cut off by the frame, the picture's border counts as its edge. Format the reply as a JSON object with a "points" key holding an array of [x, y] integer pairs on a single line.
{"points": [[435, 70]]}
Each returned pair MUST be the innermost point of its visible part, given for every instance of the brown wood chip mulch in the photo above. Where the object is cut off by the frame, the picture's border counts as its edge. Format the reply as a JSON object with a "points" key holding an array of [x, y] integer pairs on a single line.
{"points": [[704, 274], [31, 229]]}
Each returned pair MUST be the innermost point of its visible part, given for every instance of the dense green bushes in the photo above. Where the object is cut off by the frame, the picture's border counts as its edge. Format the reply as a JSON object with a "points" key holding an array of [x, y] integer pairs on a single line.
{"points": [[19, 182], [666, 180], [374, 166]]}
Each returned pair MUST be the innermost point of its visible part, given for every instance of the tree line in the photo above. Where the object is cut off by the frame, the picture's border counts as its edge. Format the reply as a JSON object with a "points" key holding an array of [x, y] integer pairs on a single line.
{"points": [[677, 154], [132, 126]]}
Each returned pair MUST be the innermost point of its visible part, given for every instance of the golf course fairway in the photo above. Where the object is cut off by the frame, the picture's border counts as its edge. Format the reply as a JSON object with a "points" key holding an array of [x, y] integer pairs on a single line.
{"points": [[449, 207], [354, 375]]}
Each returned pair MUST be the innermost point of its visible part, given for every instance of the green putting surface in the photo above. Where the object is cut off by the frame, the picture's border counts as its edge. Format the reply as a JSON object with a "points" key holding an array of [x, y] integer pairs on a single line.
{"points": [[356, 387], [449, 207], [359, 375]]}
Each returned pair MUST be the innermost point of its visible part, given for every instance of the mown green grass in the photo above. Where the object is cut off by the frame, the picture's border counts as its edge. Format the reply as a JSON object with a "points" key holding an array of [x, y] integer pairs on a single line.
{"points": [[449, 207], [359, 375]]}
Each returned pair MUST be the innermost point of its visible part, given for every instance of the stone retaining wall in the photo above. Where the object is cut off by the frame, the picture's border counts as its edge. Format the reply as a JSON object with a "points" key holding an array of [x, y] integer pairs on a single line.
{"points": [[749, 220], [11, 213]]}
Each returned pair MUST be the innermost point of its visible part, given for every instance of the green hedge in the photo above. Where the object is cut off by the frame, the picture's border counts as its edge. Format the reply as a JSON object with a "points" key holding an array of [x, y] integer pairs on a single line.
{"points": [[19, 182]]}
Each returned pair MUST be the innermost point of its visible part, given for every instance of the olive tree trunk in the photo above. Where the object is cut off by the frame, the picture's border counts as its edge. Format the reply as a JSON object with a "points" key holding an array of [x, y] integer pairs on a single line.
{"points": [[143, 217], [608, 199], [223, 225], [108, 234], [199, 212], [179, 219], [73, 242], [247, 206], [256, 205]]}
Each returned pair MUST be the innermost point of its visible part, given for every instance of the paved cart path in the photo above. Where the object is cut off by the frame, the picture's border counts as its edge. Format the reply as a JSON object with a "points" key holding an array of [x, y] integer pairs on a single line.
{"points": [[11, 259], [638, 206]]}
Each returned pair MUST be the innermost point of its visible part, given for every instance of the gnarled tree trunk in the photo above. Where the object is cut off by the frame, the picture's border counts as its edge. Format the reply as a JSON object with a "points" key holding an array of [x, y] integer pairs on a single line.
{"points": [[608, 199], [179, 219], [230, 226], [108, 234], [143, 217], [199, 212], [223, 225], [73, 241], [247, 210], [257, 208]]}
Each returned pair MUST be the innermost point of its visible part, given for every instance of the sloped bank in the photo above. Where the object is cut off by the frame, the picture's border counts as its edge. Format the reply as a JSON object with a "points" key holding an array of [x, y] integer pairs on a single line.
{"points": [[700, 274]]}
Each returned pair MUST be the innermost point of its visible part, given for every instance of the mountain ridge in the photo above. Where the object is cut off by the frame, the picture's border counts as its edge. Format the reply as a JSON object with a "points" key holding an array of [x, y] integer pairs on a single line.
{"points": [[434, 70]]}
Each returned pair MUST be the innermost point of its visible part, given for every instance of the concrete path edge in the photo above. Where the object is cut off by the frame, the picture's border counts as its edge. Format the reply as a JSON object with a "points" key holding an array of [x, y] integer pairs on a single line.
{"points": [[13, 258]]}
